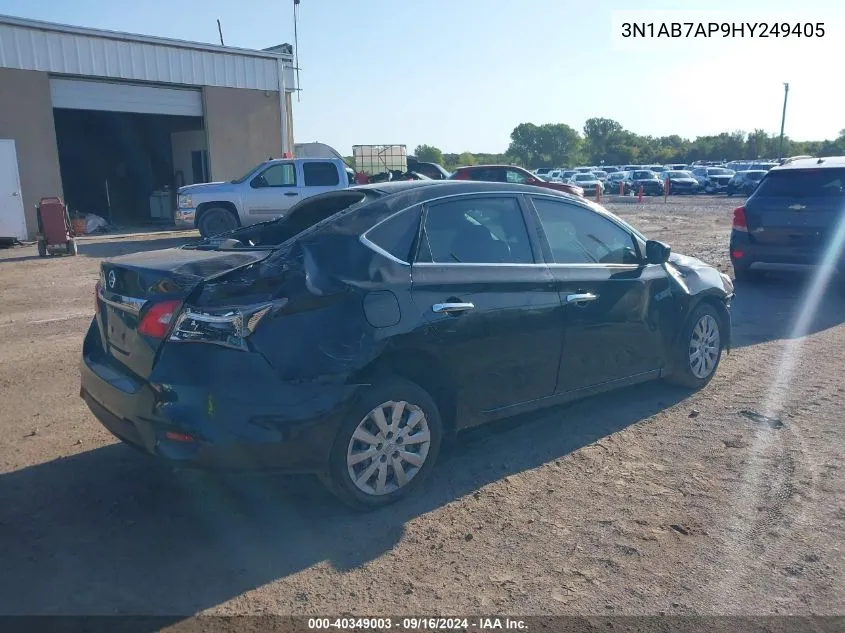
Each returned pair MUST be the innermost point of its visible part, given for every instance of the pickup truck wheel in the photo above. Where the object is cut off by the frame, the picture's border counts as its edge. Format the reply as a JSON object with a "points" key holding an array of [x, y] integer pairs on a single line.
{"points": [[215, 221]]}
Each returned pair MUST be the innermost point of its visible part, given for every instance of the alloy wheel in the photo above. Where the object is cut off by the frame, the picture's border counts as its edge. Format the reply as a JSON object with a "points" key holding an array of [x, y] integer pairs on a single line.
{"points": [[704, 346], [388, 448]]}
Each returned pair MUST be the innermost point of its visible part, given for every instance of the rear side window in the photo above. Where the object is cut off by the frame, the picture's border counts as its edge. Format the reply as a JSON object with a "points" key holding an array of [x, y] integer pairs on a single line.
{"points": [[803, 183], [397, 234], [488, 230], [320, 174]]}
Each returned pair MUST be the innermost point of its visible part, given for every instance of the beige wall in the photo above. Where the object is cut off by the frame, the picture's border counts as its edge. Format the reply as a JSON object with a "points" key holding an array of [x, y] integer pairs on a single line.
{"points": [[244, 128], [183, 144], [26, 115]]}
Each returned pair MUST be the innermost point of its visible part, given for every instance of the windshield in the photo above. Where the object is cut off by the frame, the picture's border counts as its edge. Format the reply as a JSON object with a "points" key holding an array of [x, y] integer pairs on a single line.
{"points": [[680, 174], [719, 171], [584, 178], [645, 175], [243, 178]]}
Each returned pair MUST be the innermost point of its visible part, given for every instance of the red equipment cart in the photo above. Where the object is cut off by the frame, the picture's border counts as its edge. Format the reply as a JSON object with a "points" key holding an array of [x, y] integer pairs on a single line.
{"points": [[55, 234]]}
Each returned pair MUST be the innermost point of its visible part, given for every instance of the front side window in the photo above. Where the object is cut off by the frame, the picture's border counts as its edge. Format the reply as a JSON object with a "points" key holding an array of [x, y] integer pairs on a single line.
{"points": [[320, 174], [278, 175], [488, 230], [581, 236]]}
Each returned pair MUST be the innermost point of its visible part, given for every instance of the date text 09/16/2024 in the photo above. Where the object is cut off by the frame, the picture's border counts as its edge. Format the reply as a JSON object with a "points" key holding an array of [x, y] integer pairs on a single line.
{"points": [[722, 29], [418, 624]]}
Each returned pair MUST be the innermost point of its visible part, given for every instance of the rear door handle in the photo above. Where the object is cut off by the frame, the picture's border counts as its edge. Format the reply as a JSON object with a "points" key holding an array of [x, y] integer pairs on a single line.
{"points": [[581, 298], [450, 308], [291, 193]]}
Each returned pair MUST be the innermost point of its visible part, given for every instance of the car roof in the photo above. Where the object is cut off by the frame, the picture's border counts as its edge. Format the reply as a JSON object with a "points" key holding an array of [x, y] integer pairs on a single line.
{"points": [[828, 162]]}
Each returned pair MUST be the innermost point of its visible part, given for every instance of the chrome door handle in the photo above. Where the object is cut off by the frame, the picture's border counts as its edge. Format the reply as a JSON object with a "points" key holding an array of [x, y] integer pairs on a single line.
{"points": [[450, 308], [581, 298]]}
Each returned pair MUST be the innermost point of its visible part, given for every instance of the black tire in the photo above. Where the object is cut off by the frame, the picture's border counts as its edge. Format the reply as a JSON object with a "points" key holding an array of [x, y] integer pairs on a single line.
{"points": [[71, 247], [730, 192], [42, 248], [215, 221], [744, 274], [681, 372], [389, 389]]}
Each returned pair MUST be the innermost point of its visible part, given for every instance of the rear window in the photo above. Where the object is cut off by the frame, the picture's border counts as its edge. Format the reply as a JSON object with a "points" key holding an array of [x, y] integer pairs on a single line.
{"points": [[320, 174], [803, 183]]}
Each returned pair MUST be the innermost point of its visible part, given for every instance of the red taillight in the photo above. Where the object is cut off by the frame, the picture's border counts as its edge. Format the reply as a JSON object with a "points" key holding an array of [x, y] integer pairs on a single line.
{"points": [[156, 322], [739, 220], [178, 437]]}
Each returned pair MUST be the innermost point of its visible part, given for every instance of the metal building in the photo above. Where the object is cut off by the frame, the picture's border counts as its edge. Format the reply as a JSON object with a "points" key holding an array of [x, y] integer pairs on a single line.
{"points": [[114, 122]]}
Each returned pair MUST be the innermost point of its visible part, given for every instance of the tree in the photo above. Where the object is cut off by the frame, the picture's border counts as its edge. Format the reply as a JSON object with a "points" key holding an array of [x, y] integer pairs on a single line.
{"points": [[466, 159], [550, 144], [428, 154], [599, 134]]}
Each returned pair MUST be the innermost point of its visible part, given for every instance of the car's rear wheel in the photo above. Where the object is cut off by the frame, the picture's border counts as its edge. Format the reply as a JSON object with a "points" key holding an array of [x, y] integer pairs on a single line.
{"points": [[699, 348], [215, 221], [386, 446]]}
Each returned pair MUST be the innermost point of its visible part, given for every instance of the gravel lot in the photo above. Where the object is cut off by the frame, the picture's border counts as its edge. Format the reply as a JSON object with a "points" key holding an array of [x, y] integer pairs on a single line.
{"points": [[646, 501]]}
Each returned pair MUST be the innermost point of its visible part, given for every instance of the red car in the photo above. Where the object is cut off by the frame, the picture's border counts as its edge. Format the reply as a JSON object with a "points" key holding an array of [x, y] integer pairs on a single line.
{"points": [[514, 174]]}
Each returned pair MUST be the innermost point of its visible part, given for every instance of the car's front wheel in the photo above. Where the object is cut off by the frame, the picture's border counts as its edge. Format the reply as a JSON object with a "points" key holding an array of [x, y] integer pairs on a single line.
{"points": [[699, 348], [386, 446], [215, 221]]}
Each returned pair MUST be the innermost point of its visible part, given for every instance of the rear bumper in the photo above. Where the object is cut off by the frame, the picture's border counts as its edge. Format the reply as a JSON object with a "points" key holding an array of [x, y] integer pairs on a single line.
{"points": [[237, 412], [755, 255]]}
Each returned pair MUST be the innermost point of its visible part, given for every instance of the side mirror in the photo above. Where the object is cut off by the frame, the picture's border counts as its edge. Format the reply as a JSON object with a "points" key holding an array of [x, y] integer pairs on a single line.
{"points": [[657, 252]]}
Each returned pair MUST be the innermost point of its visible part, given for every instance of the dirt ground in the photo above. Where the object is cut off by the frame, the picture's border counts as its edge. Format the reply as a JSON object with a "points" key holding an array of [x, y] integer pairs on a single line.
{"points": [[646, 501]]}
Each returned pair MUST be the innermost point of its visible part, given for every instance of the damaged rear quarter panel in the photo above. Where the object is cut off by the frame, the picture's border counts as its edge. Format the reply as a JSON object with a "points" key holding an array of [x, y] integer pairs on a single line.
{"points": [[344, 303]]}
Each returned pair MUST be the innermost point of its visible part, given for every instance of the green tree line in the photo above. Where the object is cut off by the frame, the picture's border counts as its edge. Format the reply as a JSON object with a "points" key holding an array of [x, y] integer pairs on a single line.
{"points": [[559, 145]]}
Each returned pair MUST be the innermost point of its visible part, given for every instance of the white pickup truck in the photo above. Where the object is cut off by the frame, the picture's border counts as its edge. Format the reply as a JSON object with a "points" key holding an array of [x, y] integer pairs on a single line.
{"points": [[265, 192]]}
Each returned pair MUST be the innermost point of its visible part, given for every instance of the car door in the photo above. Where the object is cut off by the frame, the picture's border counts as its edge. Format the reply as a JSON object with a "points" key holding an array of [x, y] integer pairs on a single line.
{"points": [[273, 191], [618, 311], [490, 311]]}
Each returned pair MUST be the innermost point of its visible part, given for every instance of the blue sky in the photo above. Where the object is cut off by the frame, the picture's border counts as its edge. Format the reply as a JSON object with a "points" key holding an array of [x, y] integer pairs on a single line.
{"points": [[460, 74]]}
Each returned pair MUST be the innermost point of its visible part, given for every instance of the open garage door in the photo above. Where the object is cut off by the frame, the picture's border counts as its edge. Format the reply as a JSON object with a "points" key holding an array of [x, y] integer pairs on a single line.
{"points": [[125, 148], [78, 94]]}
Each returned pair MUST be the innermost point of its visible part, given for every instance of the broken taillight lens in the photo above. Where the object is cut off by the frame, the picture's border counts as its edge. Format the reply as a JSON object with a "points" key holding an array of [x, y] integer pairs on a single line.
{"points": [[230, 327]]}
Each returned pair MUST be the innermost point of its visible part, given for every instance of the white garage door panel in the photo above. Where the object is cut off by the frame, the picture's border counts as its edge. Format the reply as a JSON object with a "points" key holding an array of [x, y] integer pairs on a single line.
{"points": [[119, 97]]}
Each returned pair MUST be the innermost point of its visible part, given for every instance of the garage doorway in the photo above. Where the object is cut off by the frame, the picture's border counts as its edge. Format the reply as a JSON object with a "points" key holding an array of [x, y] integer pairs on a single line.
{"points": [[125, 149]]}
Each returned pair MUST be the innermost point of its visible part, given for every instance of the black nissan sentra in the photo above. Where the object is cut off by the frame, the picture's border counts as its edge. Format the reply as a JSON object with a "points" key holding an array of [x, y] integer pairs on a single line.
{"points": [[350, 337]]}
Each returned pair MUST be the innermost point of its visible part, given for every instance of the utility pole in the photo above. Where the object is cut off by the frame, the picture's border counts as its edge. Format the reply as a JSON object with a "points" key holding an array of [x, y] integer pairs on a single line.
{"points": [[783, 119]]}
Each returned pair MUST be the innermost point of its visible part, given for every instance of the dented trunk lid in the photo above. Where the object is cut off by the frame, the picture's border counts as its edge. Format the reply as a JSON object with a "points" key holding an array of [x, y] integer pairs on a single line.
{"points": [[131, 284]]}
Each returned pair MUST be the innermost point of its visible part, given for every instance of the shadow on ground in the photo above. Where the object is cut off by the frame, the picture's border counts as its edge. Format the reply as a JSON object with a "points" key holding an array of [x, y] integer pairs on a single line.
{"points": [[112, 531], [767, 310]]}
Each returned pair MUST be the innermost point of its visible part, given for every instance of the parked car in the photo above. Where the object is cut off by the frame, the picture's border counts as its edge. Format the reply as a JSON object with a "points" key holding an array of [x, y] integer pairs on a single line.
{"points": [[265, 192], [645, 178], [512, 174], [348, 338], [542, 171], [588, 182], [745, 181], [790, 218], [566, 174], [611, 170], [601, 175], [554, 175], [434, 171], [680, 182], [613, 180], [713, 179]]}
